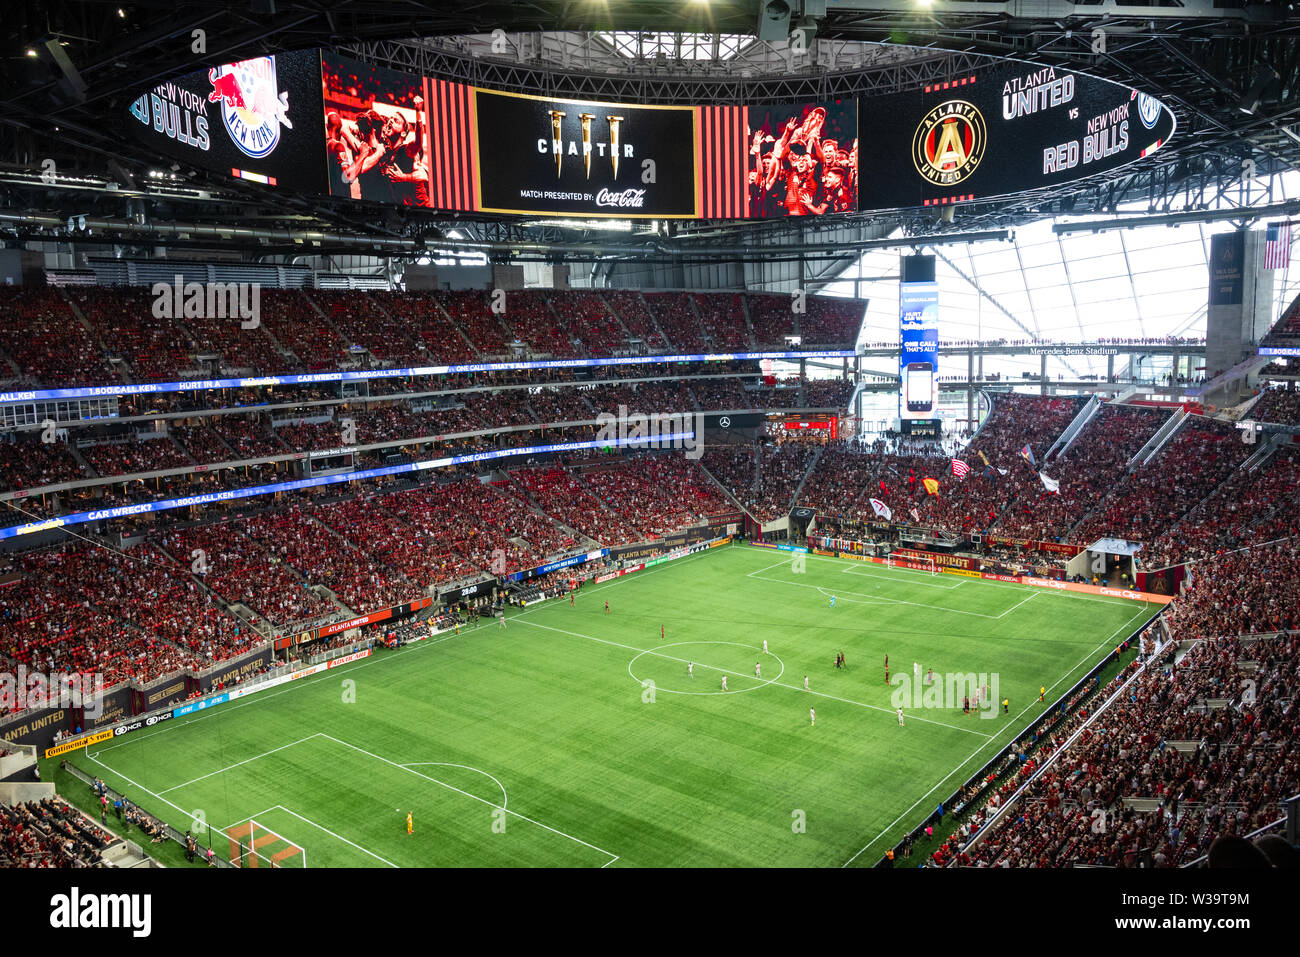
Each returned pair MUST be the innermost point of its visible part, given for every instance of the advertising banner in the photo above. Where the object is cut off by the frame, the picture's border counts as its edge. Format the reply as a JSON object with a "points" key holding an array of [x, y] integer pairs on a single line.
{"points": [[918, 355], [84, 741]]}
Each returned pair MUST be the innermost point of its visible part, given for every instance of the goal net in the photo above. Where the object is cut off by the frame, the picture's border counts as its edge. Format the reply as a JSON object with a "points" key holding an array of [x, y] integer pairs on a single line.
{"points": [[252, 845]]}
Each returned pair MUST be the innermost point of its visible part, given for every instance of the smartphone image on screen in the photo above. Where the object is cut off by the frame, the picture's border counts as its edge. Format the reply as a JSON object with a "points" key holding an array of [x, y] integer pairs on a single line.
{"points": [[920, 386]]}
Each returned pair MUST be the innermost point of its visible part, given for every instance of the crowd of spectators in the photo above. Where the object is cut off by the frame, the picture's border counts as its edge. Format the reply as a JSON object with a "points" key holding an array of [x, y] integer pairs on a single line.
{"points": [[45, 340], [675, 314], [657, 493], [134, 455], [1206, 741], [1091, 466], [27, 462], [49, 833], [559, 494], [238, 569], [1281, 406], [1251, 507], [1202, 454]]}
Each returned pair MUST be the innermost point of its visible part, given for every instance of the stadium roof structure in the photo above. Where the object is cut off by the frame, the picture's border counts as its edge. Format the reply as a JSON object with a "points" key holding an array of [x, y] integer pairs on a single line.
{"points": [[1228, 71]]}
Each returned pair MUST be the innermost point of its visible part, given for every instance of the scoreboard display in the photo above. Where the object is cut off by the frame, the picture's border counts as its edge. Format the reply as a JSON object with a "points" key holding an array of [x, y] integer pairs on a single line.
{"points": [[318, 122]]}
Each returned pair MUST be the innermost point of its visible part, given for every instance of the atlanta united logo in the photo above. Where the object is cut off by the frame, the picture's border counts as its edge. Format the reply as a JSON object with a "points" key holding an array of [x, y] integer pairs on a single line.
{"points": [[252, 106], [949, 143]]}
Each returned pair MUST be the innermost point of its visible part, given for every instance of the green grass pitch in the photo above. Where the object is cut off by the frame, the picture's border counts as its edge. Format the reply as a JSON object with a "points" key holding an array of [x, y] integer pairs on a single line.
{"points": [[538, 744]]}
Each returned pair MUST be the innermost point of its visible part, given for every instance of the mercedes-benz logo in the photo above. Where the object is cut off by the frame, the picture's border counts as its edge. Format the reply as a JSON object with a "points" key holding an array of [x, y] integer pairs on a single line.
{"points": [[725, 422]]}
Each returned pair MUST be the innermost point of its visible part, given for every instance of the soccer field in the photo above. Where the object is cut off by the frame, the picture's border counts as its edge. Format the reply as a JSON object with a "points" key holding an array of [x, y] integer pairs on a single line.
{"points": [[542, 744]]}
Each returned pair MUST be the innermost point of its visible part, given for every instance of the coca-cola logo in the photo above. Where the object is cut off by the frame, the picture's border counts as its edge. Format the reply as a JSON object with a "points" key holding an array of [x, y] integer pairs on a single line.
{"points": [[628, 199]]}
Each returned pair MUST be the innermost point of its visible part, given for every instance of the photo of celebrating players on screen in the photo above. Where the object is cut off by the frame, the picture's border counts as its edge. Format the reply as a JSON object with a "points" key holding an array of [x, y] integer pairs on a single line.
{"points": [[803, 160], [376, 134]]}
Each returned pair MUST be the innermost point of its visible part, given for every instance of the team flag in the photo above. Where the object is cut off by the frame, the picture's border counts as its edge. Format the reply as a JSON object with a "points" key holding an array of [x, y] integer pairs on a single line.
{"points": [[1028, 455], [959, 468], [916, 516], [1277, 246], [931, 485], [985, 458], [1052, 485], [882, 509], [990, 473]]}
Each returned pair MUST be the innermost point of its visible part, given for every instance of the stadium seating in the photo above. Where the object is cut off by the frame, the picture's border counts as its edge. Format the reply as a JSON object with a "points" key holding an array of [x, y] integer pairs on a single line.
{"points": [[49, 833], [1231, 782]]}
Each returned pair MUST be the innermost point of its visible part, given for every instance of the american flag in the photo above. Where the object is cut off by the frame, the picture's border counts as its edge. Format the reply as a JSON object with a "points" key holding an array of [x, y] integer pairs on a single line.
{"points": [[959, 468], [1277, 246]]}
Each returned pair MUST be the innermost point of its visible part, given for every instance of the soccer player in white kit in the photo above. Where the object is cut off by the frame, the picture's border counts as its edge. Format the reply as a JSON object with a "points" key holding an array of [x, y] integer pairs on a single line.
{"points": [[764, 646], [724, 682], [805, 682], [916, 671], [900, 717], [690, 668], [758, 670], [812, 716]]}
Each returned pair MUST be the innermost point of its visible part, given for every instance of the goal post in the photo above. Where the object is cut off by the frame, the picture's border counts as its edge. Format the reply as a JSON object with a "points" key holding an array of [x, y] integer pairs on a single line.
{"points": [[254, 845]]}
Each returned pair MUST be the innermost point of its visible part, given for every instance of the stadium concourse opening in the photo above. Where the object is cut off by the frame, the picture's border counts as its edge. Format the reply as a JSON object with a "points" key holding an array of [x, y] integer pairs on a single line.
{"points": [[723, 434]]}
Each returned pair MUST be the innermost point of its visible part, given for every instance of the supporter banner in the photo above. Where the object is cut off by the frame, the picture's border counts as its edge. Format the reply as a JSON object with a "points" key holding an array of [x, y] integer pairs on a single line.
{"points": [[1227, 268], [113, 708], [580, 158], [231, 672], [1163, 581], [82, 742], [166, 692], [257, 119], [1056, 548], [34, 727]]}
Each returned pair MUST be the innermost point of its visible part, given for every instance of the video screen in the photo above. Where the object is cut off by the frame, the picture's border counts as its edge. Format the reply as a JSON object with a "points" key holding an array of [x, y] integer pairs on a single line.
{"points": [[376, 133], [802, 159]]}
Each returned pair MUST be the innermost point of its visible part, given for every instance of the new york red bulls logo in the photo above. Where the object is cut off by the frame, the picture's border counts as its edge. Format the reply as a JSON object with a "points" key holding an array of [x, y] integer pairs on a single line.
{"points": [[252, 106], [949, 143]]}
